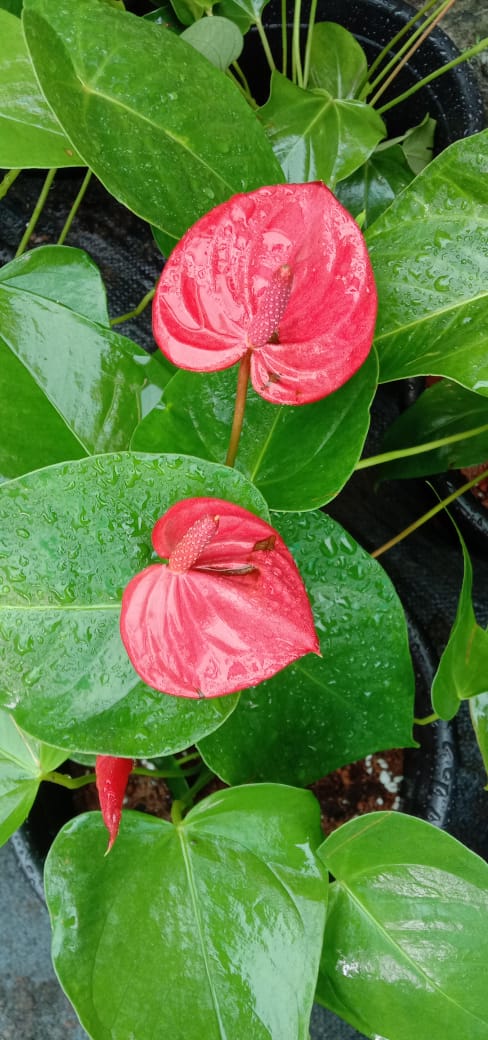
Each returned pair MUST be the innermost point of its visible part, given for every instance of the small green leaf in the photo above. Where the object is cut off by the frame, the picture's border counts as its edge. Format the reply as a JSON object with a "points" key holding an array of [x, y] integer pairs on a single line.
{"points": [[64, 565], [463, 667], [374, 186], [316, 137], [443, 410], [218, 39], [30, 135], [298, 458], [170, 144], [338, 63], [406, 942], [243, 13], [418, 144], [23, 762], [226, 910], [430, 257], [68, 386], [322, 713]]}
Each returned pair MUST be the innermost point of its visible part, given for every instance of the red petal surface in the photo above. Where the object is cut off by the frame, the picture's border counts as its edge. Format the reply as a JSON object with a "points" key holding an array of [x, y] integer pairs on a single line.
{"points": [[236, 616], [216, 284], [112, 775]]}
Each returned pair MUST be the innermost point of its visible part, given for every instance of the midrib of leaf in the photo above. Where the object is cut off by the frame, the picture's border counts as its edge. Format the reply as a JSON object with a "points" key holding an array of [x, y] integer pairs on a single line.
{"points": [[402, 954], [199, 927], [50, 129]]}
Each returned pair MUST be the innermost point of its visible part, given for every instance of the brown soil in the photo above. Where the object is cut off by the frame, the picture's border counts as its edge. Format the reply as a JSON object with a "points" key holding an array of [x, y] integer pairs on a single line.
{"points": [[366, 786]]}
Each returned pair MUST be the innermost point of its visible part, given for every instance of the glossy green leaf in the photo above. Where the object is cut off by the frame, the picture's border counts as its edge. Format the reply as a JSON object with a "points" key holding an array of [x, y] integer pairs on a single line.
{"points": [[243, 13], [14, 6], [63, 567], [406, 942], [170, 144], [218, 39], [187, 11], [23, 762], [445, 409], [430, 256], [418, 145], [316, 137], [319, 714], [374, 186], [30, 135], [478, 709], [338, 63], [299, 458], [68, 385], [226, 911], [463, 668]]}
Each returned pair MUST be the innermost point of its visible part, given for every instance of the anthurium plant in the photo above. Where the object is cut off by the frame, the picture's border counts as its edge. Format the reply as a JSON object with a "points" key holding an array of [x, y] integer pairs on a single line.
{"points": [[174, 599]]}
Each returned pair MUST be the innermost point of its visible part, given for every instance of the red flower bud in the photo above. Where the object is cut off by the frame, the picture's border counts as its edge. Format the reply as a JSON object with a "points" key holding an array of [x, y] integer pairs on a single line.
{"points": [[112, 775], [228, 610]]}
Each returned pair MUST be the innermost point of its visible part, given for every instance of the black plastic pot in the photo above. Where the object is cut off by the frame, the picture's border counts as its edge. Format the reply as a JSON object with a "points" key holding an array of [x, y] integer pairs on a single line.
{"points": [[453, 100]]}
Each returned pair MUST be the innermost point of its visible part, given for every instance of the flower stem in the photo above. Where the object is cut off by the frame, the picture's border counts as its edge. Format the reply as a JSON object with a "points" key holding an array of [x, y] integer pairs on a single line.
{"points": [[296, 59], [75, 207], [137, 310], [471, 53], [36, 214], [265, 44], [432, 22], [7, 181], [240, 407], [399, 35], [308, 45], [428, 516], [372, 83], [419, 449], [427, 720], [284, 38]]}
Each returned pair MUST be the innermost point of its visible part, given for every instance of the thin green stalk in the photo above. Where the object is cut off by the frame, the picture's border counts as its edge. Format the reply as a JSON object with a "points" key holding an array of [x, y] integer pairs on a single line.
{"points": [[242, 77], [428, 516], [427, 720], [137, 310], [73, 782], [239, 408], [471, 53], [75, 207], [265, 44], [7, 181], [399, 35], [308, 45], [415, 46], [36, 214], [165, 774], [409, 45], [205, 776], [296, 58], [240, 87], [419, 449], [284, 38]]}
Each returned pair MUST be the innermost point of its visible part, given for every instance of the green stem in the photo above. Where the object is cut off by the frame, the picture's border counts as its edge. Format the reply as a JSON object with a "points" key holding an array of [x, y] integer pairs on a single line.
{"points": [[428, 516], [418, 39], [465, 56], [7, 181], [239, 408], [164, 774], [36, 214], [284, 38], [371, 84], [205, 776], [137, 310], [177, 810], [427, 720], [419, 449], [296, 58], [308, 45], [73, 782], [75, 207], [232, 74], [265, 44]]}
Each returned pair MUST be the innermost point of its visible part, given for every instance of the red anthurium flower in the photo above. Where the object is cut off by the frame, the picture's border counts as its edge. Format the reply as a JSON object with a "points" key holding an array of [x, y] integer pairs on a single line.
{"points": [[112, 775], [227, 611], [282, 272]]}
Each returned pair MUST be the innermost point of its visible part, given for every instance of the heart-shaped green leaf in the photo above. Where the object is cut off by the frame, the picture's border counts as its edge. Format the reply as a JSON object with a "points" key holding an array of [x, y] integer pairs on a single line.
{"points": [[23, 762], [444, 410], [218, 39], [144, 135], [226, 911], [315, 136], [374, 186], [68, 385], [338, 63], [430, 256], [30, 135], [406, 942], [64, 565], [298, 457], [319, 714], [463, 667]]}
